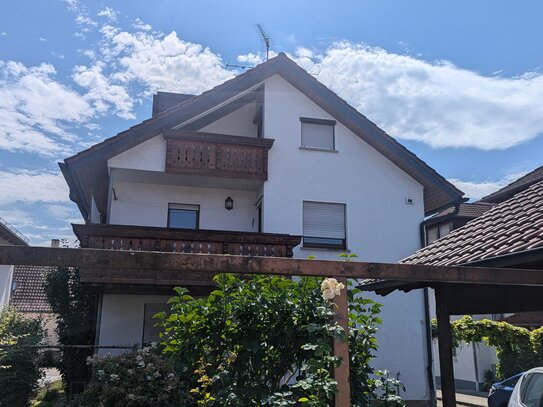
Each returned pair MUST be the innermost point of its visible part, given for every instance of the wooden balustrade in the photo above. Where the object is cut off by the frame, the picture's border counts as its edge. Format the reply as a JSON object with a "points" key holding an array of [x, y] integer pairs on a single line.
{"points": [[217, 155], [142, 238]]}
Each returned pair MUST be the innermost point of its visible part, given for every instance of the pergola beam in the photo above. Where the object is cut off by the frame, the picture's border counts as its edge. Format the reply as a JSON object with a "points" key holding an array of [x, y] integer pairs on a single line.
{"points": [[163, 268]]}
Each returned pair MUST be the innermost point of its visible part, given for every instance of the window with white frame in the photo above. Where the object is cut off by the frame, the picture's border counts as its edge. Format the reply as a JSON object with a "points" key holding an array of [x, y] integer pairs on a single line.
{"points": [[324, 225], [318, 133], [183, 216]]}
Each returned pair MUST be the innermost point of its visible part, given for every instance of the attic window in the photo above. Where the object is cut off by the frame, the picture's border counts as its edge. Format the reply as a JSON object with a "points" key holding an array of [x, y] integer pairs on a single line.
{"points": [[318, 134]]}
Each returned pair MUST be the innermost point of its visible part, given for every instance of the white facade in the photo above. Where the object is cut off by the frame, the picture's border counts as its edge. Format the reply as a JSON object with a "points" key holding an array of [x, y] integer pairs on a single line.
{"points": [[384, 209], [6, 277]]}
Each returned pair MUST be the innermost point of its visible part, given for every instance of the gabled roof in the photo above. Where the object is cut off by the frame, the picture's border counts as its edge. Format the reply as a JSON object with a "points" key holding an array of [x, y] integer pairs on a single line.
{"points": [[29, 293], [512, 227], [12, 235], [509, 190], [87, 174], [464, 210]]}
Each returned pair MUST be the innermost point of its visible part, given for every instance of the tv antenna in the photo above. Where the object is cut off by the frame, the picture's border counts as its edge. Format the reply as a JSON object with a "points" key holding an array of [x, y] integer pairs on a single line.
{"points": [[265, 38]]}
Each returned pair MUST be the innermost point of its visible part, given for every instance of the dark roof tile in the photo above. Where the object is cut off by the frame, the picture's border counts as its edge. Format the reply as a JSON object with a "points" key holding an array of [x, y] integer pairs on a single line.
{"points": [[29, 294], [513, 226]]}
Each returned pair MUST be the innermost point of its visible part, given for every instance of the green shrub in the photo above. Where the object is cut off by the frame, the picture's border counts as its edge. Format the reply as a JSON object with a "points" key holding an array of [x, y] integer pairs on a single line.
{"points": [[264, 340], [20, 363], [141, 378], [73, 304], [518, 349]]}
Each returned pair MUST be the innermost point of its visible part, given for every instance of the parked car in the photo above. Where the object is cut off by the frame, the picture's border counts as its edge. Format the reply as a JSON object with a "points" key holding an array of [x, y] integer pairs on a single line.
{"points": [[528, 391], [500, 392]]}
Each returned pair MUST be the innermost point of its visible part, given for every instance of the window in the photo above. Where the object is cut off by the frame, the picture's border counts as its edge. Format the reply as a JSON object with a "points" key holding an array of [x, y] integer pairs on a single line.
{"points": [[318, 134], [437, 232], [183, 216], [151, 333], [324, 225], [532, 390]]}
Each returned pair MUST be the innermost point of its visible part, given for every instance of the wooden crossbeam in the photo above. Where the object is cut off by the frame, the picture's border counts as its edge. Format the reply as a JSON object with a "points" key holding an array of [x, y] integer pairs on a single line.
{"points": [[168, 268]]}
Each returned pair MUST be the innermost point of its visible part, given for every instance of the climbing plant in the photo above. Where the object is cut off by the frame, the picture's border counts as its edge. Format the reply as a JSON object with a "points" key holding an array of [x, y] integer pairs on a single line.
{"points": [[518, 349]]}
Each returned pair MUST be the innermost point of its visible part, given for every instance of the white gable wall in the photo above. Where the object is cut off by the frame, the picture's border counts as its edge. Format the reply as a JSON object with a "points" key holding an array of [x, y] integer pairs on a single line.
{"points": [[237, 123], [380, 225]]}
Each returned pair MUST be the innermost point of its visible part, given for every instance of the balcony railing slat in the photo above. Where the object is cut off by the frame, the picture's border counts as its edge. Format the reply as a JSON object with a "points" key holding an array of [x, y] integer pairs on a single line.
{"points": [[219, 155], [120, 237]]}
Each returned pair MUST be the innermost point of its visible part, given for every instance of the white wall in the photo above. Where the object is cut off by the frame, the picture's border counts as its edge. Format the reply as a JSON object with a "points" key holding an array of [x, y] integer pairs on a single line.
{"points": [[380, 225], [150, 156], [6, 276], [121, 321], [147, 205], [237, 123]]}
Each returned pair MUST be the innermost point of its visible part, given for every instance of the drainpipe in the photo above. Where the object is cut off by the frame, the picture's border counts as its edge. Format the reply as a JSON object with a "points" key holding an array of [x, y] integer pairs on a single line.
{"points": [[427, 317], [429, 356], [475, 367]]}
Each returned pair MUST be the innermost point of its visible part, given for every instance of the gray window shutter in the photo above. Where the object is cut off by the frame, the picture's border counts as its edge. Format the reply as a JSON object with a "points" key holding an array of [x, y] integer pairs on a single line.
{"points": [[324, 220], [318, 135], [151, 333]]}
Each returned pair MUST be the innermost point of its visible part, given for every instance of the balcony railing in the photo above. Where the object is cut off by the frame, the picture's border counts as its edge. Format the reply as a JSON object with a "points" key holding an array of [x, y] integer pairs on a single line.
{"points": [[217, 155], [120, 237]]}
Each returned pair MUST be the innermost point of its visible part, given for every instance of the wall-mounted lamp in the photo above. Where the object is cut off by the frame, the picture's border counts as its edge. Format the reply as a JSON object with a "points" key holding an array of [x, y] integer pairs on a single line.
{"points": [[229, 203]]}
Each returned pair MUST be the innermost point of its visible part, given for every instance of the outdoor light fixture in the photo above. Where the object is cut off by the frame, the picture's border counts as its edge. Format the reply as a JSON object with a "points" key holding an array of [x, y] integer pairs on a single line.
{"points": [[229, 203]]}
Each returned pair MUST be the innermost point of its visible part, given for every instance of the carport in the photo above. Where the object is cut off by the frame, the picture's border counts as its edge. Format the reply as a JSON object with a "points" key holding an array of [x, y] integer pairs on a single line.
{"points": [[459, 289]]}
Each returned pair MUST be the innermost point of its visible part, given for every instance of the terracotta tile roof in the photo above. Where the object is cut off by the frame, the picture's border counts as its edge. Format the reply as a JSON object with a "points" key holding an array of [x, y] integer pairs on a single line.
{"points": [[12, 235], [466, 210], [526, 319], [29, 294], [513, 226], [516, 186]]}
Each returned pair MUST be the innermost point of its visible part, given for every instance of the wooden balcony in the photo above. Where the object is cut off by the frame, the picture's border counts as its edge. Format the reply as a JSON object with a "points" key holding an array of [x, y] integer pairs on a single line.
{"points": [[217, 155], [120, 237]]}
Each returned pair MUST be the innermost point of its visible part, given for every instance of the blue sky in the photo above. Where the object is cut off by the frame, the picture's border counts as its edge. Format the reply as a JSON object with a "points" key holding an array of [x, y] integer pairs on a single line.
{"points": [[459, 83]]}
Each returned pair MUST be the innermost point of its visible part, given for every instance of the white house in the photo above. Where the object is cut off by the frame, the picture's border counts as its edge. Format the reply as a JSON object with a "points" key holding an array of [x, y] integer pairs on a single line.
{"points": [[269, 163], [8, 236]]}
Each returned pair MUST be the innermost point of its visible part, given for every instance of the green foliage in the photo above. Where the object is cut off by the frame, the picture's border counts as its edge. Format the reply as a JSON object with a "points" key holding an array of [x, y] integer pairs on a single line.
{"points": [[73, 305], [19, 364], [255, 341], [141, 378], [49, 394], [518, 349], [268, 341]]}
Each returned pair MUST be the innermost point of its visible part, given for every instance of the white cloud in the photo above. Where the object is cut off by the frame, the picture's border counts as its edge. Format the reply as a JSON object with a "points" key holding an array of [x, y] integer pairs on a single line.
{"points": [[3, 34], [102, 93], [478, 189], [160, 62], [250, 59], [109, 13], [82, 19], [435, 103], [32, 186], [140, 25], [43, 39], [36, 110]]}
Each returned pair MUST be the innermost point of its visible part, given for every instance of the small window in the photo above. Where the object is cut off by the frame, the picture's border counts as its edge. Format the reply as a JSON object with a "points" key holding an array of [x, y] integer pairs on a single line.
{"points": [[532, 390], [151, 332], [318, 133], [324, 225], [183, 216]]}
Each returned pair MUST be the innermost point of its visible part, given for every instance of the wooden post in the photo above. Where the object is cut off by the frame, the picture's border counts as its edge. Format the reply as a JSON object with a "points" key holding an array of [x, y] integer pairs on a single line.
{"points": [[341, 349], [444, 337]]}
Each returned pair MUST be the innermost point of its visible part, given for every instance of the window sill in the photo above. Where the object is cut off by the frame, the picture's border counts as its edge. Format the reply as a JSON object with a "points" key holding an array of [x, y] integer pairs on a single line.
{"points": [[324, 150], [325, 249]]}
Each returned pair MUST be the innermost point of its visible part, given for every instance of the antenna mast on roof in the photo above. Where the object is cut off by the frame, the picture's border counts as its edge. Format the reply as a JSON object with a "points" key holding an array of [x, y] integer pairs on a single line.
{"points": [[265, 38]]}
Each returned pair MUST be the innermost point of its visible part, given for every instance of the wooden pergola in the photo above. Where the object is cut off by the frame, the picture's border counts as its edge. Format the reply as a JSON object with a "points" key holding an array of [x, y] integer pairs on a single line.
{"points": [[459, 289]]}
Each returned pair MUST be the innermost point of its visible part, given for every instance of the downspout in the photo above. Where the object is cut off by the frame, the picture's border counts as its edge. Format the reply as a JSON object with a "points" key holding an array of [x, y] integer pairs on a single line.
{"points": [[427, 317], [429, 356]]}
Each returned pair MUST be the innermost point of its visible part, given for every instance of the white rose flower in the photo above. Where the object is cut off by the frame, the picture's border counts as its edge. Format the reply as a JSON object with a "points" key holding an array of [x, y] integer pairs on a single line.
{"points": [[331, 288]]}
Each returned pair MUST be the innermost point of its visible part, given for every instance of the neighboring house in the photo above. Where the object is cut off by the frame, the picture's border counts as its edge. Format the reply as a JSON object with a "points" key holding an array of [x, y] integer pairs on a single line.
{"points": [[270, 163], [471, 361], [8, 236], [509, 235]]}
